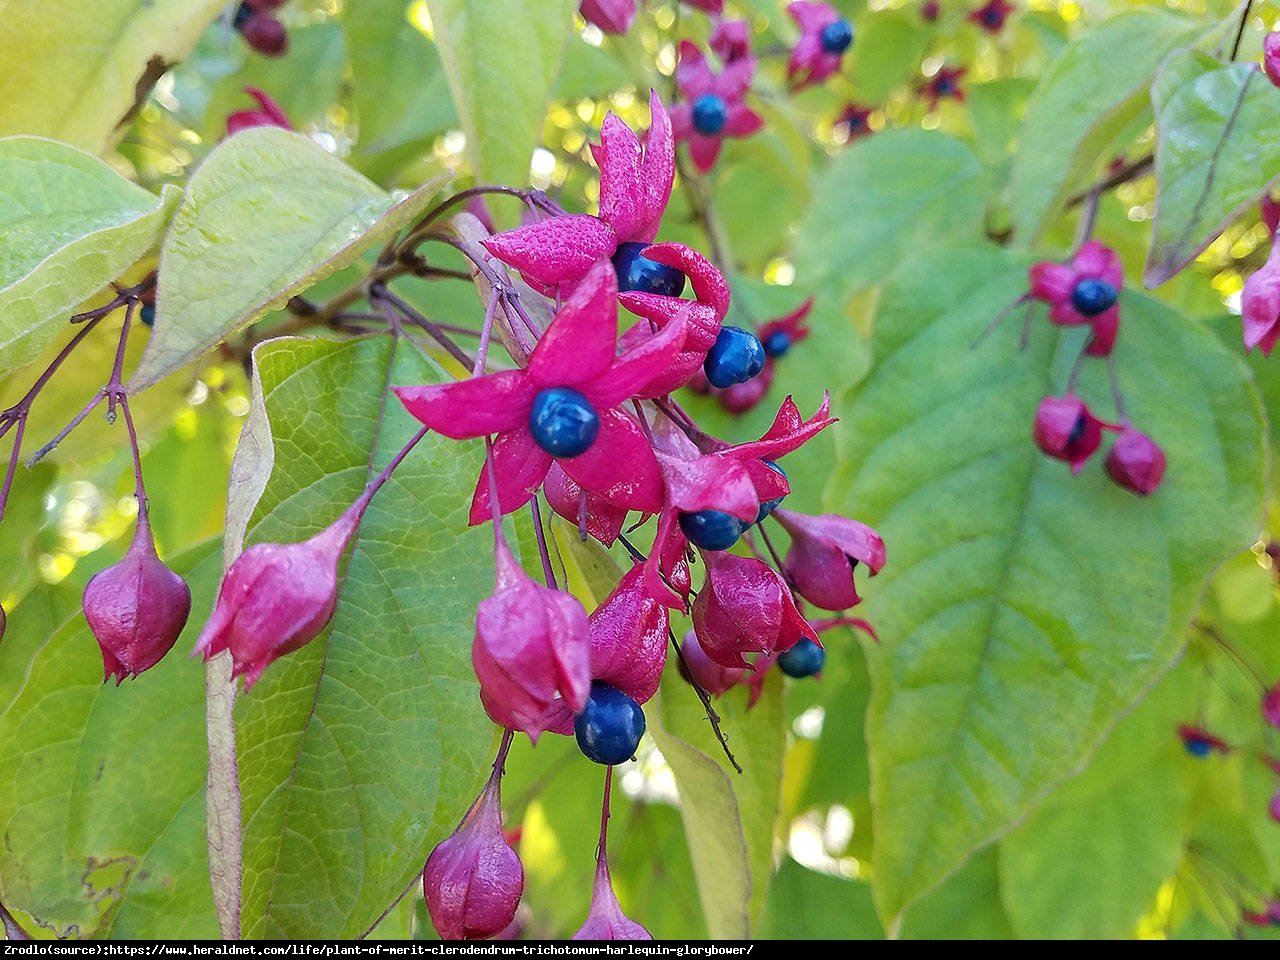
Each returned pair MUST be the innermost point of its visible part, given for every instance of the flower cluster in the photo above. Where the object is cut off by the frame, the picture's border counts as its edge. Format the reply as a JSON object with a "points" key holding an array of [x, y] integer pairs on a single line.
{"points": [[1086, 293]]}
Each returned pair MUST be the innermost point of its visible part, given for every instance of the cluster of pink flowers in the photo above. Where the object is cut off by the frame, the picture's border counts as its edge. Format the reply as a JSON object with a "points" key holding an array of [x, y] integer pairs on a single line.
{"points": [[1086, 293]]}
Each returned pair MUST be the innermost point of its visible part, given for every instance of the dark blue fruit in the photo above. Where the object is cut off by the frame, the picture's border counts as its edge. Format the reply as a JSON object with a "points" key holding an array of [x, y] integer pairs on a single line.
{"points": [[777, 344], [147, 314], [803, 660], [735, 357], [563, 422], [712, 529], [610, 726], [636, 272], [242, 14], [1092, 296], [767, 506], [1198, 748], [836, 36], [710, 114]]}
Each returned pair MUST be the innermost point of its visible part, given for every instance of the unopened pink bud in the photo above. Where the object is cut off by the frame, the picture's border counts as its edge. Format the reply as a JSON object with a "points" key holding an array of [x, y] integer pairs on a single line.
{"points": [[1136, 462], [532, 650], [1271, 56], [277, 597], [1067, 430], [605, 919], [473, 880], [744, 607], [136, 608]]}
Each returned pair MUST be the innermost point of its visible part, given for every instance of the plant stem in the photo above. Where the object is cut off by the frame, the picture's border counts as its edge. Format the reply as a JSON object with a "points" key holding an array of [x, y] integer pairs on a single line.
{"points": [[712, 717], [1244, 19], [604, 816], [379, 292], [547, 573]]}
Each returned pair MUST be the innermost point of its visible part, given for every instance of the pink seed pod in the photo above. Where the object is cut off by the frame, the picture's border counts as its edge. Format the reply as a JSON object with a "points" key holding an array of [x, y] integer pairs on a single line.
{"points": [[1066, 429], [136, 608], [1136, 462], [473, 880], [605, 919]]}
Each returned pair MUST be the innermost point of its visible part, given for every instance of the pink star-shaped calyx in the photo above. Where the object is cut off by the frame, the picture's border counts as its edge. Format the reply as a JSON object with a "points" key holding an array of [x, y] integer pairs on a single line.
{"points": [[815, 56], [577, 352], [713, 107]]}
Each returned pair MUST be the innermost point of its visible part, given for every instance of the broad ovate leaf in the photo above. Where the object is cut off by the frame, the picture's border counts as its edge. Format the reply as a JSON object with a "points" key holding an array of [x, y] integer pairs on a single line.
{"points": [[69, 224], [502, 58], [884, 197], [1023, 609], [103, 798], [360, 751], [267, 214], [1079, 106], [1217, 150], [77, 73]]}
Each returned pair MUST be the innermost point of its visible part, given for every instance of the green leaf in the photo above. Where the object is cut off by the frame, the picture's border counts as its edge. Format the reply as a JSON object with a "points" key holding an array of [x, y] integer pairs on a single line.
{"points": [[885, 197], [1079, 107], [364, 748], [502, 58], [728, 817], [1216, 153], [887, 52], [399, 90], [103, 798], [267, 214], [807, 905], [69, 224], [1022, 608], [966, 907], [78, 76]]}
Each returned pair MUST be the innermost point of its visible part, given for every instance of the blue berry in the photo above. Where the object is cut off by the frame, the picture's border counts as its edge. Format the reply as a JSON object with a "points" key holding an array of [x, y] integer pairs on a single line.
{"points": [[147, 314], [735, 357], [767, 506], [636, 272], [610, 726], [710, 114], [242, 15], [1198, 748], [836, 36], [777, 344], [563, 422], [712, 529], [1093, 296], [802, 660]]}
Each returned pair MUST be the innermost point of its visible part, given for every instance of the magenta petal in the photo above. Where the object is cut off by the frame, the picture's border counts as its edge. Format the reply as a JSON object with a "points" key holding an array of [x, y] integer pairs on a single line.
{"points": [[789, 431], [681, 117], [1065, 315], [604, 521], [619, 157], [1260, 305], [657, 169], [693, 76], [735, 81], [1051, 282], [743, 121], [1095, 259], [1106, 326], [710, 483], [472, 408], [709, 284], [639, 366], [851, 538], [520, 465], [704, 151], [611, 16], [579, 345], [803, 57], [703, 319], [629, 638], [619, 466], [811, 17], [555, 251]]}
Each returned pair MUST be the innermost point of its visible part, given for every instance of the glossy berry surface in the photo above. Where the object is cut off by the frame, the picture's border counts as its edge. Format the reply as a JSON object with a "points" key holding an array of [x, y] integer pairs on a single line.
{"points": [[265, 35], [768, 506], [735, 357], [1198, 748], [639, 273], [836, 36], [243, 13], [710, 114], [610, 726], [777, 344], [711, 529], [563, 422], [1092, 296], [147, 314], [802, 660]]}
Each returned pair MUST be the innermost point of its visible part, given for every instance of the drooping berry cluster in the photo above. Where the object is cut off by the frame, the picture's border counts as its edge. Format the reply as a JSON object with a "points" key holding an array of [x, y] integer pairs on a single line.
{"points": [[1086, 292]]}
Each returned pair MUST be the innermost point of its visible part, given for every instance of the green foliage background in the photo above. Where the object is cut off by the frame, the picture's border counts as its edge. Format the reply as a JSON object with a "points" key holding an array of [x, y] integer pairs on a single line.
{"points": [[1004, 764]]}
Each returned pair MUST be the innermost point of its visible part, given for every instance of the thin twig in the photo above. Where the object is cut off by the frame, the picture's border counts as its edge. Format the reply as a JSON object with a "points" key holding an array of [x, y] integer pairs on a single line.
{"points": [[712, 717]]}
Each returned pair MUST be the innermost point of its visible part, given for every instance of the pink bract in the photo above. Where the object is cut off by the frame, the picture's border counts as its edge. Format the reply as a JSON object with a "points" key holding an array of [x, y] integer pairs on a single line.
{"points": [[577, 351], [1136, 462], [824, 550], [268, 114], [731, 40], [1260, 305], [605, 919], [744, 607], [1066, 429], [696, 79], [810, 63]]}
